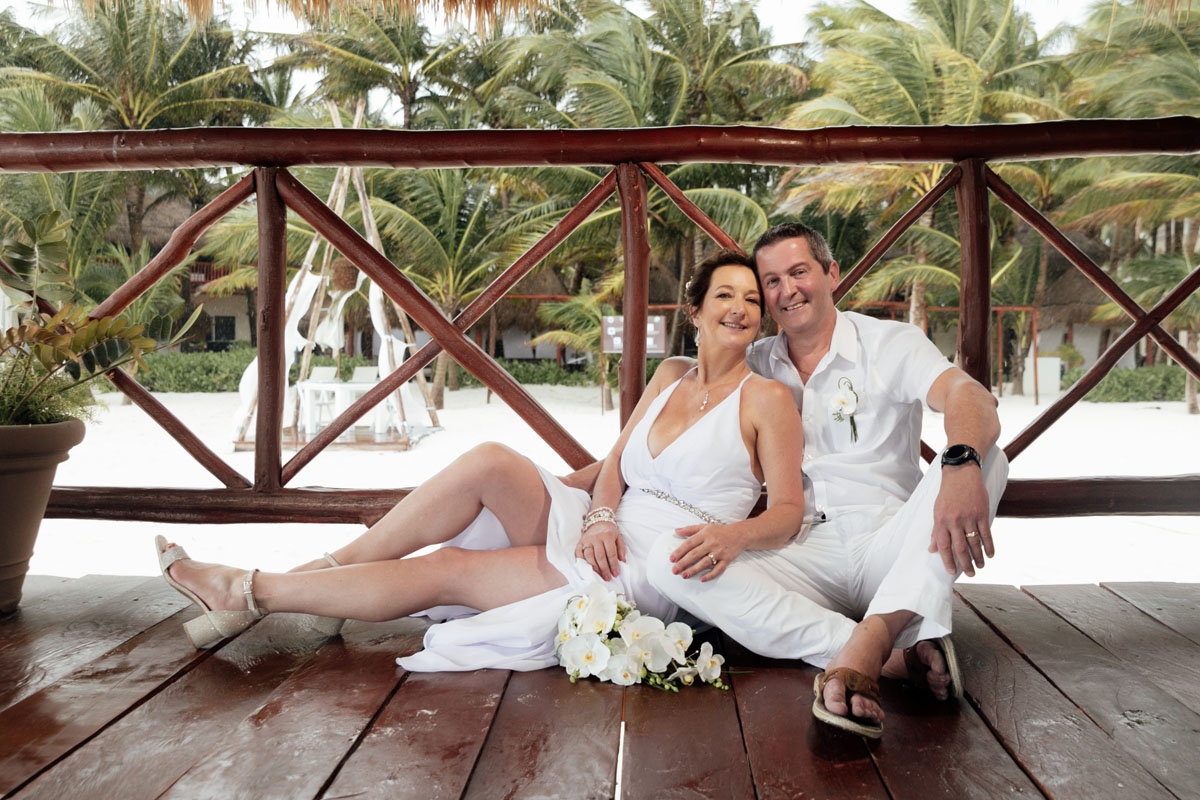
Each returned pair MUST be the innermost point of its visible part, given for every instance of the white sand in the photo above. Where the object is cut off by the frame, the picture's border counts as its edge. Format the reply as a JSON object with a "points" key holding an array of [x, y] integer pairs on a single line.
{"points": [[125, 448]]}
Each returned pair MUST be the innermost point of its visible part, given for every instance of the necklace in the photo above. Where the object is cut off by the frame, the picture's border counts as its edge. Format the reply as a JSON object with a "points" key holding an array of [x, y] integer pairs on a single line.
{"points": [[704, 404]]}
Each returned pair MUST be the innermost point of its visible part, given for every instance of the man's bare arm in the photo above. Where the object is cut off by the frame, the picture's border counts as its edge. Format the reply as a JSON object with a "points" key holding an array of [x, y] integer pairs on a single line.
{"points": [[961, 519]]}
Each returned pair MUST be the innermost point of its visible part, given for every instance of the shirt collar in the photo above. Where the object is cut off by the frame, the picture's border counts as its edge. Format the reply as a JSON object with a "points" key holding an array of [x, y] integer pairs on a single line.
{"points": [[844, 343]]}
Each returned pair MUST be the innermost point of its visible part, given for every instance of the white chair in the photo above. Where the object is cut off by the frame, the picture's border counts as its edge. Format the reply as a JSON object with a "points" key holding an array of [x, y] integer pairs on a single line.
{"points": [[362, 380], [318, 400]]}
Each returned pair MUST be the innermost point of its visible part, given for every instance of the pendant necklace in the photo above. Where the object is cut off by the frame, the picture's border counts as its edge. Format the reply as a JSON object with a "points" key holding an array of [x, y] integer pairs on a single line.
{"points": [[704, 403]]}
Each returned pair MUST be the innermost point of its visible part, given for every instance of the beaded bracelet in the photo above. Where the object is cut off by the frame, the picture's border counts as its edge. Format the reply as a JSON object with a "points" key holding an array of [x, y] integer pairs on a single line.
{"points": [[599, 514]]}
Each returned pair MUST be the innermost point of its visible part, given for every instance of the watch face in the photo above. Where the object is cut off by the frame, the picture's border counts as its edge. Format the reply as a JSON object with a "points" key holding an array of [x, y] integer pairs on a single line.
{"points": [[956, 452]]}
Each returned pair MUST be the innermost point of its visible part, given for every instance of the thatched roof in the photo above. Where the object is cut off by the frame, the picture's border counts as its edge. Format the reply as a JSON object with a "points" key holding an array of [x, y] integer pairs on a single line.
{"points": [[523, 313], [1072, 299], [462, 10]]}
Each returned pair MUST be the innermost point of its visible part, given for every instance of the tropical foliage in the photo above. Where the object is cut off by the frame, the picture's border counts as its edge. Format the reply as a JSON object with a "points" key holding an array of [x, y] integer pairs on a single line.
{"points": [[143, 64]]}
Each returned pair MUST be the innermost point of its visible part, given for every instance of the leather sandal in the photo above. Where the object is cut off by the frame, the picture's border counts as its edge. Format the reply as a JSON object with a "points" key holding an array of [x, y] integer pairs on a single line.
{"points": [[212, 626], [855, 683], [944, 644], [326, 626]]}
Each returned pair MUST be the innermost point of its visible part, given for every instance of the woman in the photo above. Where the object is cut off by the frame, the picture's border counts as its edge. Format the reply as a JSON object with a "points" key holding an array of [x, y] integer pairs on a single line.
{"points": [[518, 542]]}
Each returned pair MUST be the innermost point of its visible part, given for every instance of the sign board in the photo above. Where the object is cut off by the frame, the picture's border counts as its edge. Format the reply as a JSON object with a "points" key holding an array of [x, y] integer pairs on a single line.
{"points": [[612, 331]]}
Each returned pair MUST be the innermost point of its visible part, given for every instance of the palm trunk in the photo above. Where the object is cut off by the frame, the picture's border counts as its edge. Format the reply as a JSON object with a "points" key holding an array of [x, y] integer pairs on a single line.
{"points": [[439, 380], [606, 399], [1026, 341], [916, 295], [1193, 346], [135, 211]]}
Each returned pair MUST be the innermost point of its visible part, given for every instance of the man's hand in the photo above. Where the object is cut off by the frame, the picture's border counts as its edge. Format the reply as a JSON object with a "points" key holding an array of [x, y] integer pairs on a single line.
{"points": [[961, 531], [708, 549]]}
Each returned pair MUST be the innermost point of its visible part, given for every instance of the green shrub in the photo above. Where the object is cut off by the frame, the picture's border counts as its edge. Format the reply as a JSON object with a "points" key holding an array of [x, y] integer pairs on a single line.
{"points": [[1159, 383], [196, 372]]}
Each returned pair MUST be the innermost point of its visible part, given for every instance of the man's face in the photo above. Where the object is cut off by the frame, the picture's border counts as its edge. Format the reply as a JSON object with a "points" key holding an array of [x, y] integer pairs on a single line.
{"points": [[798, 293]]}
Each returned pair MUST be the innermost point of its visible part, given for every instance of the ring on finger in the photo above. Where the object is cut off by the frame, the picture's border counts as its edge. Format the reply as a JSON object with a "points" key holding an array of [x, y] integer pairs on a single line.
{"points": [[972, 534], [713, 559]]}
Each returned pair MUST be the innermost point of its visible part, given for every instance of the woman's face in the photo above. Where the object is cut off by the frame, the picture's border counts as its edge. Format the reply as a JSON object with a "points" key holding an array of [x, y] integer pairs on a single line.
{"points": [[731, 312]]}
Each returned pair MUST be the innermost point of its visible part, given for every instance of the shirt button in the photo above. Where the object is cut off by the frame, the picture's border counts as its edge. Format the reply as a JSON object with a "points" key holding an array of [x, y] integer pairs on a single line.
{"points": [[808, 458]]}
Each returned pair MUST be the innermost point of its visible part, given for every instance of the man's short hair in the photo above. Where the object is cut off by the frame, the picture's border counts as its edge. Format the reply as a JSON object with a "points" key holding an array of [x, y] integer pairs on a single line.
{"points": [[797, 230]]}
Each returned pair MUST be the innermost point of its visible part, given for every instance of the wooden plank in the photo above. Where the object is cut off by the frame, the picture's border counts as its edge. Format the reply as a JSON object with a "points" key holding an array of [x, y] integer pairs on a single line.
{"points": [[1057, 744], [291, 746], [934, 748], [550, 738], [792, 755], [1142, 719], [1144, 644], [425, 742], [36, 587], [45, 726], [66, 601], [147, 750], [683, 745], [36, 656], [1172, 604]]}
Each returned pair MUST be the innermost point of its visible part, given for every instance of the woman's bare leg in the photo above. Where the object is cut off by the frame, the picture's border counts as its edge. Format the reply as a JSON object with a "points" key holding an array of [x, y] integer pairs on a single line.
{"points": [[490, 475], [383, 590]]}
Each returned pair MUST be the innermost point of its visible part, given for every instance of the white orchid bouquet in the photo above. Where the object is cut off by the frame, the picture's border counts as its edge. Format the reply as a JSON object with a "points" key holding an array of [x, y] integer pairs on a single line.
{"points": [[602, 635]]}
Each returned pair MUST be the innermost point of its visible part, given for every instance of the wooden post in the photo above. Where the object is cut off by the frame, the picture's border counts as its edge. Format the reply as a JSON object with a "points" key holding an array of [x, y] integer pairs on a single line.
{"points": [[975, 294], [272, 371], [631, 185]]}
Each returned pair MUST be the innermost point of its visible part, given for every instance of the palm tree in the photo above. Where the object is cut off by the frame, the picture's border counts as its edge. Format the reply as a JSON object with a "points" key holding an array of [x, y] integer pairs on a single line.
{"points": [[965, 62], [579, 322], [87, 201], [143, 65]]}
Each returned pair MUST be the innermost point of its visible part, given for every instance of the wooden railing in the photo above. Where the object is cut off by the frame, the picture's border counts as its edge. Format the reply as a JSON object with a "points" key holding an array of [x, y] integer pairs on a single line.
{"points": [[632, 154]]}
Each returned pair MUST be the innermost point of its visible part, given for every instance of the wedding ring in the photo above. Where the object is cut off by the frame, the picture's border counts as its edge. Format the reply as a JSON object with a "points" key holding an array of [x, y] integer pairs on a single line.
{"points": [[972, 534], [713, 559], [586, 546]]}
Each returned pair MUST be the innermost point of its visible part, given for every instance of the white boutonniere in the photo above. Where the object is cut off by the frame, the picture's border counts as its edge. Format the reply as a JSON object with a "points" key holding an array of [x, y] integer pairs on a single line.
{"points": [[844, 404]]}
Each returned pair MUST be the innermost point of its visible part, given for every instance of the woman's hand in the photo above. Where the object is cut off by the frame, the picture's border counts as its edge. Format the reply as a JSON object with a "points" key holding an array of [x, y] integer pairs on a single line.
{"points": [[601, 546], [707, 548]]}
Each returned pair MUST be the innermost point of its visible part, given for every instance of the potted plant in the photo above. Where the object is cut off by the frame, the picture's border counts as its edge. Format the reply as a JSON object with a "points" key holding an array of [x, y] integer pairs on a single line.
{"points": [[47, 362]]}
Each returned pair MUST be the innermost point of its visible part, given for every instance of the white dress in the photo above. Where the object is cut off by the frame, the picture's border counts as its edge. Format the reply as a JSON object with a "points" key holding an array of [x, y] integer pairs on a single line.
{"points": [[706, 467]]}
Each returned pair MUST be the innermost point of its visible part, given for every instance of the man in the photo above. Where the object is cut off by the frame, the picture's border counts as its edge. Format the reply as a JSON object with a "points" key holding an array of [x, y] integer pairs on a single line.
{"points": [[886, 544]]}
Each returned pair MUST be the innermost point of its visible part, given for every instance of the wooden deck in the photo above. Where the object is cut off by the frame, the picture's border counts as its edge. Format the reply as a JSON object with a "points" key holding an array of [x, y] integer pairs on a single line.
{"points": [[1073, 692]]}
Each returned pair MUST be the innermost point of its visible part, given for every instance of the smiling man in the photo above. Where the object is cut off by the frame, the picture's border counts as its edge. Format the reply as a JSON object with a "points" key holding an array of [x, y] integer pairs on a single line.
{"points": [[867, 590]]}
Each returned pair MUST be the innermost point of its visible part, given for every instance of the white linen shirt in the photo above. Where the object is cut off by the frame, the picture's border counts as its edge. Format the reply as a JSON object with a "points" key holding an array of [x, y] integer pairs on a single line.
{"points": [[891, 366]]}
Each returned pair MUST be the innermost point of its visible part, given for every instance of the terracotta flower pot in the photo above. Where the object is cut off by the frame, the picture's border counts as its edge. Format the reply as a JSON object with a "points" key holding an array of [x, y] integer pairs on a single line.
{"points": [[29, 457]]}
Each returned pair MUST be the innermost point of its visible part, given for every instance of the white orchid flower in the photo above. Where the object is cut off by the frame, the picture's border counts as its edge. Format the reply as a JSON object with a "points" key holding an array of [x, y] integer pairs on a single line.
{"points": [[679, 639], [634, 628], [708, 664], [685, 675], [601, 611], [585, 655], [620, 672]]}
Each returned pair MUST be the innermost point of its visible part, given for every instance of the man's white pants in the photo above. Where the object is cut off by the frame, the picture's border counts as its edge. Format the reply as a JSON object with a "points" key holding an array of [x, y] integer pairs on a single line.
{"points": [[802, 600]]}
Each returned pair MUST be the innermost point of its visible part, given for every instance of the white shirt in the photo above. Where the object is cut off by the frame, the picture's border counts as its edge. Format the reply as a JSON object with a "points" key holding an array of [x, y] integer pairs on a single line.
{"points": [[890, 366]]}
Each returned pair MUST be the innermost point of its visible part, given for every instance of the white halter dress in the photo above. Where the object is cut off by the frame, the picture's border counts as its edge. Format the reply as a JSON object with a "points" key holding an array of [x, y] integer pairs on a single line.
{"points": [[706, 467]]}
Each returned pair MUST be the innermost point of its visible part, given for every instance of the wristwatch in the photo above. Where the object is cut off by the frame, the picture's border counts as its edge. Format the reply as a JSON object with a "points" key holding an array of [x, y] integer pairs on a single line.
{"points": [[957, 454]]}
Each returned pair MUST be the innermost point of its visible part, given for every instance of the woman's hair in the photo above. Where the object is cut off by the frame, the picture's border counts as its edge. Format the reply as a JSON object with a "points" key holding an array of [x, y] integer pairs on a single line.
{"points": [[697, 287]]}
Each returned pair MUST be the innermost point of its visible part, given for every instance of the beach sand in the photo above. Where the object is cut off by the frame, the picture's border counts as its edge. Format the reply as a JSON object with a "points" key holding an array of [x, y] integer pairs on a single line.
{"points": [[124, 447]]}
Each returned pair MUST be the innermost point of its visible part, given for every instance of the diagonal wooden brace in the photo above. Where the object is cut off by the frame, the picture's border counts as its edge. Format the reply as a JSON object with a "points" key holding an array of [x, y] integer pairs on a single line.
{"points": [[1105, 363], [403, 291], [468, 317], [1036, 220]]}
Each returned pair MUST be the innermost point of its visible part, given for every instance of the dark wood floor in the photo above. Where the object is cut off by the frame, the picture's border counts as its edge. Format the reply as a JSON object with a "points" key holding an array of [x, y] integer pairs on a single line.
{"points": [[1073, 692]]}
